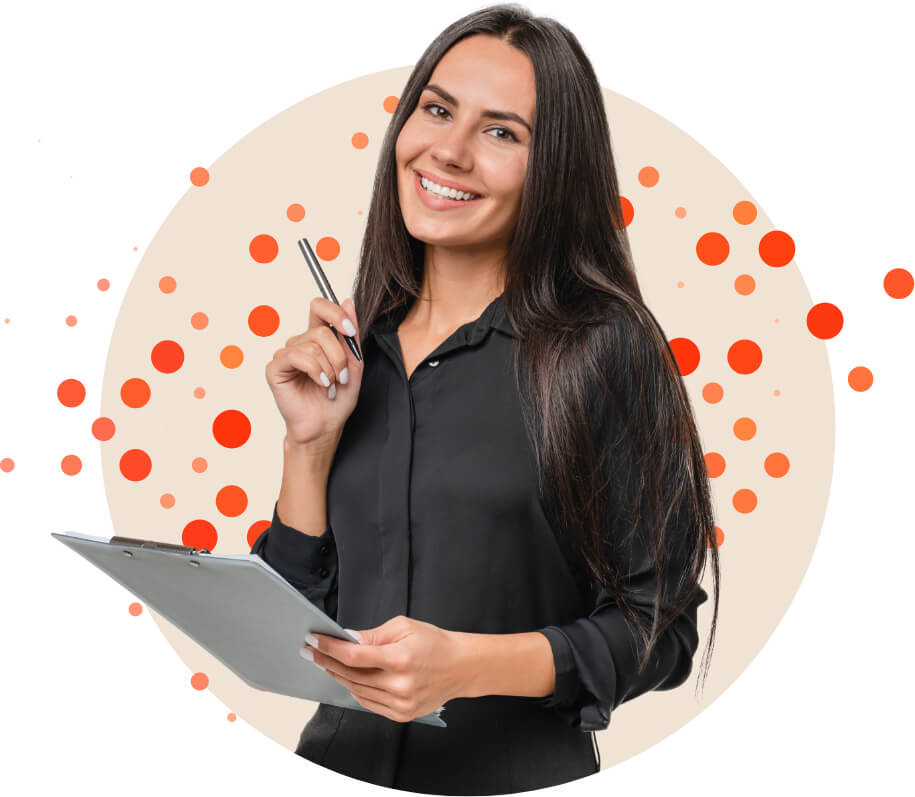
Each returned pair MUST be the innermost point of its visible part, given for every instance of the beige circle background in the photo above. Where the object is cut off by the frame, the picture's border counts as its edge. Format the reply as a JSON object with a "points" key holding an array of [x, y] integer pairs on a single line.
{"points": [[305, 155]]}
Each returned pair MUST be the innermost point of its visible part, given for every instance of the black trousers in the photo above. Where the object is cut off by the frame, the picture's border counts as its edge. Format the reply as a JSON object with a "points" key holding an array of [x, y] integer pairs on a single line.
{"points": [[496, 744]]}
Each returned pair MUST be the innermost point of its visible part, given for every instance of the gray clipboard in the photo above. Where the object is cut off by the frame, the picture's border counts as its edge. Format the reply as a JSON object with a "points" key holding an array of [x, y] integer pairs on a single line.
{"points": [[235, 606]]}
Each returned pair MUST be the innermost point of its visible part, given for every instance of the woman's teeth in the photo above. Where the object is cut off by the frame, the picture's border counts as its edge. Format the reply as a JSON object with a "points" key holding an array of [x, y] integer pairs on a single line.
{"points": [[447, 193]]}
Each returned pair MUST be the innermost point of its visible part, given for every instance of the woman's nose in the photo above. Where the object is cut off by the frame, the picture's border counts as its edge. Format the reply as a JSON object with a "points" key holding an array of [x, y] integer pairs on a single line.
{"points": [[453, 147]]}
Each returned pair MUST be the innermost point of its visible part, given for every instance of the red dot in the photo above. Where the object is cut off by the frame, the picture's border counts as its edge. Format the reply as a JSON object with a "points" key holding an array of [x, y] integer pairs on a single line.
{"points": [[263, 320], [295, 212], [71, 392], [103, 429], [71, 464], [135, 392], [360, 140], [255, 530], [712, 248], [627, 211], [7, 465], [824, 320], [744, 356], [744, 501], [167, 356], [231, 428], [199, 533], [898, 283], [200, 681], [776, 248], [199, 176], [263, 248], [860, 378], [390, 103], [686, 353], [135, 464], [327, 248], [103, 284], [231, 500], [776, 464], [70, 320], [231, 716], [714, 464], [135, 609]]}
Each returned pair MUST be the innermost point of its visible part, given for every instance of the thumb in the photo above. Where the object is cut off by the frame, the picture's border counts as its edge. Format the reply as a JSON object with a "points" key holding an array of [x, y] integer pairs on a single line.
{"points": [[389, 631]]}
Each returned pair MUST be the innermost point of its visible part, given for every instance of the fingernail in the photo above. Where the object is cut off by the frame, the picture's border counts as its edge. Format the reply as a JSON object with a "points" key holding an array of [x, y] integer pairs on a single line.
{"points": [[310, 639], [307, 654], [324, 380], [344, 376], [355, 633], [331, 391], [348, 327]]}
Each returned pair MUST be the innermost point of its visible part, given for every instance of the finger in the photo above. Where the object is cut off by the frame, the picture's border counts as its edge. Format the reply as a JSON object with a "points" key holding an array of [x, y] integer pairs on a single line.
{"points": [[323, 312], [379, 696]]}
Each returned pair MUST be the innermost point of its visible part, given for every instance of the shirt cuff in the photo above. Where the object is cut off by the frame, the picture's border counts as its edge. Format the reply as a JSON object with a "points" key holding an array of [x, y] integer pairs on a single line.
{"points": [[567, 683], [302, 559]]}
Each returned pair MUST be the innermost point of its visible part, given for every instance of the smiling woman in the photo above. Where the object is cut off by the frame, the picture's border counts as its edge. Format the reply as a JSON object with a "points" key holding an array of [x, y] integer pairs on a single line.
{"points": [[507, 499]]}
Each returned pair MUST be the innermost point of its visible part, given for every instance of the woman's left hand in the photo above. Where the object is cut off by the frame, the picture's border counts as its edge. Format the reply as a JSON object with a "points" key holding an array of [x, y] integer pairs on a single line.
{"points": [[402, 669]]}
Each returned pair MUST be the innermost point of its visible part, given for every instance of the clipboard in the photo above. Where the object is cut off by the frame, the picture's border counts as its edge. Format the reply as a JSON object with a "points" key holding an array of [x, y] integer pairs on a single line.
{"points": [[235, 606]]}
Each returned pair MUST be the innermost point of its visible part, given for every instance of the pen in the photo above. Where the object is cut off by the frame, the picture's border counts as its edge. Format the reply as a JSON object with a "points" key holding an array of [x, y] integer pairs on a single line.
{"points": [[324, 286]]}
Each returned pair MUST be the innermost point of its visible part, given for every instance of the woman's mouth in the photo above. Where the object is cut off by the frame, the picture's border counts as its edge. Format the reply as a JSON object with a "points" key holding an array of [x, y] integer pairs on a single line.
{"points": [[429, 194]]}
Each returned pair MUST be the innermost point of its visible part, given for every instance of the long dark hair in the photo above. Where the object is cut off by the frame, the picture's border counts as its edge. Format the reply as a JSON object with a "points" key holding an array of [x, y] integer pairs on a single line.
{"points": [[621, 467]]}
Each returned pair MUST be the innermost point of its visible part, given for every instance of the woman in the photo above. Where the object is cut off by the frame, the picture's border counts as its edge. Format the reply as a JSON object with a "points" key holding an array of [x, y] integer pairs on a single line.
{"points": [[507, 497]]}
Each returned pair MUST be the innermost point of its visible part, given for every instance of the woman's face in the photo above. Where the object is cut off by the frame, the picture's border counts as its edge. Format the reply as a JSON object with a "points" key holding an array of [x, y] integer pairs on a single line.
{"points": [[463, 133]]}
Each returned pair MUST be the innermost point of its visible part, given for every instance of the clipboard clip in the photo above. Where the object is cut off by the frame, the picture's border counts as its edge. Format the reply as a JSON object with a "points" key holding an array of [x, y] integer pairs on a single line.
{"points": [[155, 544]]}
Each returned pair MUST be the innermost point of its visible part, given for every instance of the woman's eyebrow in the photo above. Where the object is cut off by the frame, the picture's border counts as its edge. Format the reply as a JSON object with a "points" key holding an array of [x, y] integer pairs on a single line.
{"points": [[504, 115]]}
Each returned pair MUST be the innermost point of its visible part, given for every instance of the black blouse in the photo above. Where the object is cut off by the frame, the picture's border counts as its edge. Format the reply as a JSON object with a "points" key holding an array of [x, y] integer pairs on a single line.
{"points": [[434, 512]]}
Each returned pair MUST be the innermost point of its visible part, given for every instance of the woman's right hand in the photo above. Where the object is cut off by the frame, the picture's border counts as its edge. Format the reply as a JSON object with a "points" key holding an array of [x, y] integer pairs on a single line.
{"points": [[314, 412]]}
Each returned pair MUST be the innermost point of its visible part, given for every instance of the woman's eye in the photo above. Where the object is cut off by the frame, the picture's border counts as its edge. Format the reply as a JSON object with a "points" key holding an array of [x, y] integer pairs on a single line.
{"points": [[510, 137]]}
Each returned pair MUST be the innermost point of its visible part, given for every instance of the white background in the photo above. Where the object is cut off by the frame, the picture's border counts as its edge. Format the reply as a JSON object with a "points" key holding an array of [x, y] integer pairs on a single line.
{"points": [[808, 104]]}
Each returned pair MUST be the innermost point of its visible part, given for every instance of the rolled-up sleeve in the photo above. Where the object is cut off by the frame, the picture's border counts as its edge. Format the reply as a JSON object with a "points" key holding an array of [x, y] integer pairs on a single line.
{"points": [[307, 562], [597, 657]]}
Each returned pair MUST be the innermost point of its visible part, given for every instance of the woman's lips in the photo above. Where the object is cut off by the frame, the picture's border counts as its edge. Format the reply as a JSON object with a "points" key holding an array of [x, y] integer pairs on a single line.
{"points": [[439, 203]]}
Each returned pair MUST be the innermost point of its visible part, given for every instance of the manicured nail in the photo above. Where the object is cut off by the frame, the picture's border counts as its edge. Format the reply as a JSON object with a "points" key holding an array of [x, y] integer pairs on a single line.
{"points": [[307, 654], [310, 639], [324, 380], [332, 391], [344, 376], [348, 327]]}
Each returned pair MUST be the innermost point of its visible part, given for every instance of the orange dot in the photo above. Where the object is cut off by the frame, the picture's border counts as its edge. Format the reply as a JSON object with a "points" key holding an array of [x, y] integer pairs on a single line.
{"points": [[648, 176], [295, 212], [167, 356], [680, 283], [719, 537], [70, 320], [103, 428], [744, 501], [686, 353], [231, 500], [199, 392], [327, 248], [166, 500], [776, 464], [860, 378], [231, 428], [744, 428], [744, 356], [744, 212], [200, 176], [744, 284], [167, 284], [71, 392], [231, 716], [263, 320], [390, 103], [776, 248], [360, 140], [135, 392], [231, 356], [7, 465], [627, 211], [103, 284], [255, 530], [712, 248], [199, 533], [713, 392], [824, 320], [263, 248], [199, 320], [135, 609], [199, 464], [71, 464], [199, 681], [135, 464], [898, 283], [680, 213], [714, 464], [776, 392]]}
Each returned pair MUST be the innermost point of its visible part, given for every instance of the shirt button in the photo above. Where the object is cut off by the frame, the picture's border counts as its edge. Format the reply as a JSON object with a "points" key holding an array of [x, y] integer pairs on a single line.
{"points": [[323, 549], [324, 572], [433, 363]]}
